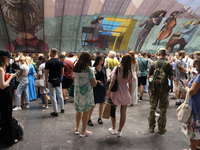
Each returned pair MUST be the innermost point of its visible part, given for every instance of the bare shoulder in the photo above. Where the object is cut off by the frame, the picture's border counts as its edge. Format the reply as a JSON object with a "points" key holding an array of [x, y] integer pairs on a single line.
{"points": [[1, 69]]}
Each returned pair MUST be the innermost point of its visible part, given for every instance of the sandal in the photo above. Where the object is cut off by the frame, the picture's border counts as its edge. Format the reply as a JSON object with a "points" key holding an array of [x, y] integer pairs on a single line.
{"points": [[87, 133], [76, 132]]}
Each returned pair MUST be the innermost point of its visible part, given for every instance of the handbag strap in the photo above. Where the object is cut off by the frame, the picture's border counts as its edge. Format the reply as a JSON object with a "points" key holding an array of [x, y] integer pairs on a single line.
{"points": [[116, 72], [68, 65], [187, 98], [143, 63]]}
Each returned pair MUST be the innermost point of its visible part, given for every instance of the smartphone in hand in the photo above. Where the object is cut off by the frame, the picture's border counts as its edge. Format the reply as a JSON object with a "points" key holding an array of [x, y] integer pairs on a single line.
{"points": [[182, 81], [16, 72]]}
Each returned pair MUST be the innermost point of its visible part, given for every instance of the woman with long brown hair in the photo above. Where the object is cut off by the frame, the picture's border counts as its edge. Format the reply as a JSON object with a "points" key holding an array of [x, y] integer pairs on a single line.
{"points": [[84, 81], [122, 97], [135, 71]]}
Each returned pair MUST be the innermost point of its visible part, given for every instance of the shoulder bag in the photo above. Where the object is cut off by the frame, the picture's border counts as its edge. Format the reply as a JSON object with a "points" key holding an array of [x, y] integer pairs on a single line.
{"points": [[183, 112], [115, 85]]}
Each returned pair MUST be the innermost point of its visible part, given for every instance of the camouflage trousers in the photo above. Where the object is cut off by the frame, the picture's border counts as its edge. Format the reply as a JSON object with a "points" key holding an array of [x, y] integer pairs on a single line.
{"points": [[160, 100]]}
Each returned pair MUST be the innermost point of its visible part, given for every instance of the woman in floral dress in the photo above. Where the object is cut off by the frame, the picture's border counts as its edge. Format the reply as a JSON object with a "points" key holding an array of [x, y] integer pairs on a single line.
{"points": [[84, 81], [192, 127]]}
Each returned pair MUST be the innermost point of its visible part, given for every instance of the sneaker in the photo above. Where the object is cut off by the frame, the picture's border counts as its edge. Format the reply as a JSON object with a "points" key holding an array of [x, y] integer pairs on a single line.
{"points": [[62, 110], [100, 121], [161, 132], [65, 102], [178, 103], [110, 130], [90, 123], [17, 108], [26, 106], [54, 114], [140, 99], [76, 132], [119, 134], [47, 107], [157, 114]]}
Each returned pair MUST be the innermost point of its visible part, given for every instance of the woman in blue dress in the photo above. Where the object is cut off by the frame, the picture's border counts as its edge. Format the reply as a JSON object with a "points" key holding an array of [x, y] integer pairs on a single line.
{"points": [[100, 90], [31, 79], [192, 127]]}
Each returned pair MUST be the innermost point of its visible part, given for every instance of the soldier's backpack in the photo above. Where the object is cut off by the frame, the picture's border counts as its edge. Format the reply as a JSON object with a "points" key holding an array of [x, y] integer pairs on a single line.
{"points": [[158, 81]]}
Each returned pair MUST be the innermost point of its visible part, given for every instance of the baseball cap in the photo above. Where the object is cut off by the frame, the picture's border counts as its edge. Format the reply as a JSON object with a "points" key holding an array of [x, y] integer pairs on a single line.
{"points": [[162, 51], [6, 53]]}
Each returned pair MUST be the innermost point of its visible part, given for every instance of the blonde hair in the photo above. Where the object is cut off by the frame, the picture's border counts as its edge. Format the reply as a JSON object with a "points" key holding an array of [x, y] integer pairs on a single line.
{"points": [[40, 54], [22, 58], [28, 60]]}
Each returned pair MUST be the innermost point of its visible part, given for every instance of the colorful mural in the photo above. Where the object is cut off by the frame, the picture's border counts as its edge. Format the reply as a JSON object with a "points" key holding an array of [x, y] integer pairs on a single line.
{"points": [[138, 25]]}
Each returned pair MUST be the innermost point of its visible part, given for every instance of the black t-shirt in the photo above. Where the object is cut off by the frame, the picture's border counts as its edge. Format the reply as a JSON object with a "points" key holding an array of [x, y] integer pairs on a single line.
{"points": [[54, 66]]}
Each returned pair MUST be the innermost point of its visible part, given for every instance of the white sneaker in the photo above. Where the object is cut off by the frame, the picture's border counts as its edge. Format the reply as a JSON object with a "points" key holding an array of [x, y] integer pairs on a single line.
{"points": [[157, 114], [110, 130], [46, 107], [17, 108], [26, 106], [119, 134]]}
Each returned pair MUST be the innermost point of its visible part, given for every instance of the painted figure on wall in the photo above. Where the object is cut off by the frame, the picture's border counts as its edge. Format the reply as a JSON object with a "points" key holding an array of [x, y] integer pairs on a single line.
{"points": [[96, 36], [183, 37], [155, 19], [25, 18], [166, 30]]}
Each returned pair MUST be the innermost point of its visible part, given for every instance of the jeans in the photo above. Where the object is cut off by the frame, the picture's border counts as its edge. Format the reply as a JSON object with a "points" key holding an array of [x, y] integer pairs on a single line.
{"points": [[53, 91], [22, 90]]}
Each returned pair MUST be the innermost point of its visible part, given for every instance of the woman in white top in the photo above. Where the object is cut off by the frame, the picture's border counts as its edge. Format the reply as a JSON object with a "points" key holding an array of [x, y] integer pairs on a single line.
{"points": [[23, 84], [135, 69]]}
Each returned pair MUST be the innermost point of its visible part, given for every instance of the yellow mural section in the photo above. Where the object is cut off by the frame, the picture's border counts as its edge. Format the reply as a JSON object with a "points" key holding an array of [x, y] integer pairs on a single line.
{"points": [[122, 33]]}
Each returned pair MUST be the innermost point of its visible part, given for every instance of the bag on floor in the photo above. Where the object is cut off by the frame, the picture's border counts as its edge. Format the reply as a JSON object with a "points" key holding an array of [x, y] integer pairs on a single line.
{"points": [[17, 129], [183, 112]]}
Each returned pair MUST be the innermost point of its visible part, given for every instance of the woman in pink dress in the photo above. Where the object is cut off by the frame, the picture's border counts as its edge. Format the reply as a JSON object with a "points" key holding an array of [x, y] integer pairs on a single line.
{"points": [[122, 97]]}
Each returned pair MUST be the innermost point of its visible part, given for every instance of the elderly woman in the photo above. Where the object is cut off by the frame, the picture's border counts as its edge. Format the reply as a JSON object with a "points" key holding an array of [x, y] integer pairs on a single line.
{"points": [[191, 128], [84, 81], [6, 133]]}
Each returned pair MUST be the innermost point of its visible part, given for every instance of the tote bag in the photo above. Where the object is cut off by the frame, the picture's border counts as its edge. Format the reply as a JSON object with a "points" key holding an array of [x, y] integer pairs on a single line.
{"points": [[184, 110]]}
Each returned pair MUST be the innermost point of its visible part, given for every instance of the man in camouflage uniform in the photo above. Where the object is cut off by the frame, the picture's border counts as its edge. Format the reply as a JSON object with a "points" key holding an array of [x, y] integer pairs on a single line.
{"points": [[158, 98]]}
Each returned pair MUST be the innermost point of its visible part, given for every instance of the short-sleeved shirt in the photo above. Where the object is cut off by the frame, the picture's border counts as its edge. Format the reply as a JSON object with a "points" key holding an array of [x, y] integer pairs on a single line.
{"points": [[178, 73], [111, 63], [54, 66], [160, 62], [142, 62], [83, 91], [25, 69], [194, 101], [68, 68]]}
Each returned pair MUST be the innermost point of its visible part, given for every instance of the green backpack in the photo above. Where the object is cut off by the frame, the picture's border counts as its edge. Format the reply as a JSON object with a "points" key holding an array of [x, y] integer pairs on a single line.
{"points": [[158, 81]]}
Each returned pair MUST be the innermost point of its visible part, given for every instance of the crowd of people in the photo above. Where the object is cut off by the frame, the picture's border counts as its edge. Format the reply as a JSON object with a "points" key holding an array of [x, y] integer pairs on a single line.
{"points": [[88, 74]]}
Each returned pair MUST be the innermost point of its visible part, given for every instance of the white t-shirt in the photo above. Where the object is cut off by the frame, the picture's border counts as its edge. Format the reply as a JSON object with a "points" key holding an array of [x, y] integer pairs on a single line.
{"points": [[189, 63], [25, 69]]}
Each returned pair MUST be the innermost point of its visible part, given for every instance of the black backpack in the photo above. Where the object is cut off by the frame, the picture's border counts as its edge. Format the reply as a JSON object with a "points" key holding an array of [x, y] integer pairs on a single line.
{"points": [[17, 128]]}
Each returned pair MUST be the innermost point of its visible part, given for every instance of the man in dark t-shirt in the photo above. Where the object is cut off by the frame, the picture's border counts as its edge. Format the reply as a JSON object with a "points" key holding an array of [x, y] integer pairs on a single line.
{"points": [[54, 68]]}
